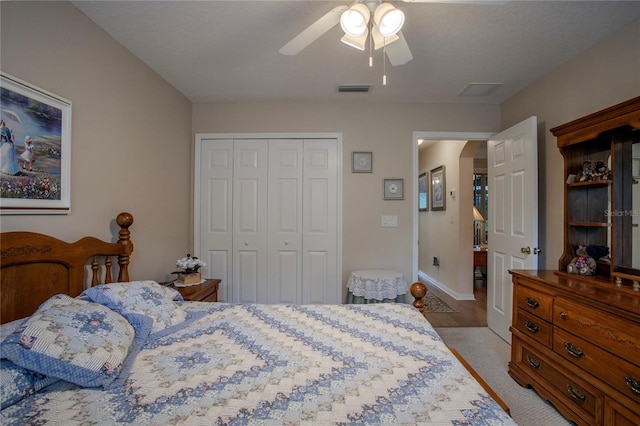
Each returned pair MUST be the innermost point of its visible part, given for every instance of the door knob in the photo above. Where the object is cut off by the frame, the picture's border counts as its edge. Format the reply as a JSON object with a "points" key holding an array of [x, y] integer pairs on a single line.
{"points": [[526, 250]]}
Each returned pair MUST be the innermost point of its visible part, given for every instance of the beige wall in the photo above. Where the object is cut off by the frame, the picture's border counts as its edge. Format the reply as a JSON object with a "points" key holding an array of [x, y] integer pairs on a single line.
{"points": [[130, 138], [603, 76], [387, 131]]}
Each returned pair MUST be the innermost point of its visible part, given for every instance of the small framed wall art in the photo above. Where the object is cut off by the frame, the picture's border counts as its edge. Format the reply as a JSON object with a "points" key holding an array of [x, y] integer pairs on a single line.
{"points": [[438, 188], [362, 162], [394, 189], [423, 204]]}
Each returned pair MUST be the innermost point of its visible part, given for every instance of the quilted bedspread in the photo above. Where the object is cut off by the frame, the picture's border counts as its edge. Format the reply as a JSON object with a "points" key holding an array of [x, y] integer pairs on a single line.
{"points": [[276, 364]]}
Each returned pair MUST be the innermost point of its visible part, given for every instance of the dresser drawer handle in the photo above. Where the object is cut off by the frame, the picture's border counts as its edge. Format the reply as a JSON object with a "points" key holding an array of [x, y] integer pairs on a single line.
{"points": [[633, 383], [533, 303], [573, 350], [576, 394], [531, 327], [533, 362]]}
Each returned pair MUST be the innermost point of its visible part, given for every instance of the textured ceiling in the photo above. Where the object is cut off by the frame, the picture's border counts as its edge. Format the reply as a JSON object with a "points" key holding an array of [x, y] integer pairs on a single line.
{"points": [[227, 51]]}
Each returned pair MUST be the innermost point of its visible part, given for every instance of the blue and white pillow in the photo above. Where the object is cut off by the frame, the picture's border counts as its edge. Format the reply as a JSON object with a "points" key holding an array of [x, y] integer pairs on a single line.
{"points": [[144, 298], [74, 340]]}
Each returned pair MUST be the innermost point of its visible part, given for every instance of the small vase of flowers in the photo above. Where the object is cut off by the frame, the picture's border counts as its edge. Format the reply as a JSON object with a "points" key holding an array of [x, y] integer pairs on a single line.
{"points": [[190, 273]]}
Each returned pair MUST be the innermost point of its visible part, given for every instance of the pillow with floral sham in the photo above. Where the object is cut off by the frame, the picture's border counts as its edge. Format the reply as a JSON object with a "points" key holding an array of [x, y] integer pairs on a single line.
{"points": [[74, 340], [145, 298]]}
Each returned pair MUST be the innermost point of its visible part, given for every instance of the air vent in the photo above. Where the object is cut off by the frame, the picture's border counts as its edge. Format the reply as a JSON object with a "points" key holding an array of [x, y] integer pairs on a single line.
{"points": [[354, 88], [479, 89]]}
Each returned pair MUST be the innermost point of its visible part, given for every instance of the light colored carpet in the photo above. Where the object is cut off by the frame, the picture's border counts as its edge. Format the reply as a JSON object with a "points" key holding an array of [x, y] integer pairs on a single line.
{"points": [[433, 303], [489, 355]]}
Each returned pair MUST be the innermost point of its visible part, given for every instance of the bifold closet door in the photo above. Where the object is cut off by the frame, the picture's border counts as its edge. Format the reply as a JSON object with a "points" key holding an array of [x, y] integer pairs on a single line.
{"points": [[320, 283], [268, 219], [250, 236], [285, 245], [216, 212]]}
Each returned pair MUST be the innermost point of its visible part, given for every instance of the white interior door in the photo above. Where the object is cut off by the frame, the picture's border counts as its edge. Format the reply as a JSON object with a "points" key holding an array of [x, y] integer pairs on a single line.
{"points": [[249, 281], [214, 189], [320, 281], [285, 221], [513, 240]]}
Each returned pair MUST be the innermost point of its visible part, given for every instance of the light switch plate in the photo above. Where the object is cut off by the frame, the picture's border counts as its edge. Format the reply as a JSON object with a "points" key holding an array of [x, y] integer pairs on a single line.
{"points": [[389, 221]]}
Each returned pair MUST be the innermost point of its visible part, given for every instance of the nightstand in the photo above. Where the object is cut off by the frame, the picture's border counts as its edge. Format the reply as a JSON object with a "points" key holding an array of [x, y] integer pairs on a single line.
{"points": [[205, 292]]}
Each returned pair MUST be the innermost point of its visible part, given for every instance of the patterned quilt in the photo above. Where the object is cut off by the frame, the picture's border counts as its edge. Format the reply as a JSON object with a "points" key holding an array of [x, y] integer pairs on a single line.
{"points": [[275, 364]]}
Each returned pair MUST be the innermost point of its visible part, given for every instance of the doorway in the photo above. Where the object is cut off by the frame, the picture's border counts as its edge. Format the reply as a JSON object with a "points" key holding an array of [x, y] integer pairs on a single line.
{"points": [[461, 201]]}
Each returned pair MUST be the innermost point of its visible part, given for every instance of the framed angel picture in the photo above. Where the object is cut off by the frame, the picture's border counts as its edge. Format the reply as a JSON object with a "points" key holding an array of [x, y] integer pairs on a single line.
{"points": [[423, 197], [35, 149], [438, 188]]}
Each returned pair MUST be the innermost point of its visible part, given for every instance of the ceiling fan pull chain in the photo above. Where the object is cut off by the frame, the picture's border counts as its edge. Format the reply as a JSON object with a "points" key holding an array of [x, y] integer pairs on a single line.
{"points": [[370, 43], [384, 63]]}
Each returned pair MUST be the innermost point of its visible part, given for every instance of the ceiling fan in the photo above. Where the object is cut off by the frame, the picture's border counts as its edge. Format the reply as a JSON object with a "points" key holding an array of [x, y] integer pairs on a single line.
{"points": [[374, 21]]}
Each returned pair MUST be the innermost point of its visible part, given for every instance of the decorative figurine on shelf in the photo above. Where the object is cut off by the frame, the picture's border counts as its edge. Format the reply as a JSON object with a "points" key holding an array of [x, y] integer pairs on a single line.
{"points": [[598, 252], [586, 174], [601, 171], [190, 273], [582, 264]]}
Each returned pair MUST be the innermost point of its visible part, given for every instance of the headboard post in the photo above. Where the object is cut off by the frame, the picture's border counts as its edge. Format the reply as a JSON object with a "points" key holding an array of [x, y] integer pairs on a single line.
{"points": [[124, 220]]}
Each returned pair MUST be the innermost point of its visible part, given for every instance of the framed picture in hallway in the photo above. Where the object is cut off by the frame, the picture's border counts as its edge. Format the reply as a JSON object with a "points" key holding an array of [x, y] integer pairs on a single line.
{"points": [[438, 188], [35, 149], [423, 204]]}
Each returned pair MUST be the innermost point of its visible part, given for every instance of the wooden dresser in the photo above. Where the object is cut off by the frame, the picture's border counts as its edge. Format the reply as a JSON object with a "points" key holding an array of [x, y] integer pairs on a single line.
{"points": [[576, 341]]}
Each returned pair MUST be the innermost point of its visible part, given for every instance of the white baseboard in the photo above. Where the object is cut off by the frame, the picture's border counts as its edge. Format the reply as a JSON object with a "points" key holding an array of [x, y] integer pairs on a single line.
{"points": [[457, 296]]}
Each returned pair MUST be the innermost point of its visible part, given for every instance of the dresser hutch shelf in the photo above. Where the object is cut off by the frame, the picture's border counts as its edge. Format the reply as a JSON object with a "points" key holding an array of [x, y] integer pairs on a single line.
{"points": [[576, 339]]}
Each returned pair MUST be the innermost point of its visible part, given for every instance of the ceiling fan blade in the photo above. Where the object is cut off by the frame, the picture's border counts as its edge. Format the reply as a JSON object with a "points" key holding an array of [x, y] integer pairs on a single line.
{"points": [[398, 52], [491, 2], [313, 32]]}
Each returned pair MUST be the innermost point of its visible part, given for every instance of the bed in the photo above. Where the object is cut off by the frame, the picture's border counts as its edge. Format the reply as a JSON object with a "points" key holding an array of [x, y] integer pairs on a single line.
{"points": [[84, 345]]}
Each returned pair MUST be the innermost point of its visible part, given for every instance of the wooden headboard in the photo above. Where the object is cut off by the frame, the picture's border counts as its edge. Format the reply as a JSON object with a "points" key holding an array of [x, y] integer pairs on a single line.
{"points": [[34, 267]]}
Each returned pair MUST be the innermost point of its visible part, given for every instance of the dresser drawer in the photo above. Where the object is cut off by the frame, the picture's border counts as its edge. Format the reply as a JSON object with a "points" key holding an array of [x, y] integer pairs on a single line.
{"points": [[618, 373], [534, 327], [613, 333], [535, 302], [621, 413], [581, 395]]}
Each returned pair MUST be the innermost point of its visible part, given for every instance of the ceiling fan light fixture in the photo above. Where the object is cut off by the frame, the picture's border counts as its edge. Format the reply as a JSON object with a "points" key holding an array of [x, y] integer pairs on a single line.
{"points": [[357, 42], [354, 21], [388, 19], [379, 40]]}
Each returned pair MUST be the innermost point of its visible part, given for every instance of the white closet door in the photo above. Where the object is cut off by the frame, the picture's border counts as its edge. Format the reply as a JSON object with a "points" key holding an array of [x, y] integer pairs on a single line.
{"points": [[250, 221], [268, 218], [216, 211], [319, 265], [285, 221]]}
